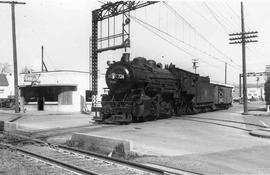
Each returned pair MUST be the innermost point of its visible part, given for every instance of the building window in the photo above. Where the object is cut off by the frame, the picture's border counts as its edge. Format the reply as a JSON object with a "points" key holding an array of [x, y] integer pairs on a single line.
{"points": [[65, 98], [88, 95]]}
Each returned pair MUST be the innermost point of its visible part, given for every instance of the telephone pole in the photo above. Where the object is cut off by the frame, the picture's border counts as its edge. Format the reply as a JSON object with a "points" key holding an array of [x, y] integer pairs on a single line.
{"points": [[16, 90], [195, 62], [43, 65], [42, 58], [225, 73], [243, 38]]}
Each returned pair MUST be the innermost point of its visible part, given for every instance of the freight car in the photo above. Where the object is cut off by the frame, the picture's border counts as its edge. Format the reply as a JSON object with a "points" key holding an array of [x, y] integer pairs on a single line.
{"points": [[142, 90]]}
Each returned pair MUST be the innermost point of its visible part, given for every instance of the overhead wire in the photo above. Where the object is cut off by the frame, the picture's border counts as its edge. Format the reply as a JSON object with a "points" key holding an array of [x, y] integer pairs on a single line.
{"points": [[196, 31], [256, 52], [232, 24], [179, 48], [196, 11], [189, 45], [215, 17]]}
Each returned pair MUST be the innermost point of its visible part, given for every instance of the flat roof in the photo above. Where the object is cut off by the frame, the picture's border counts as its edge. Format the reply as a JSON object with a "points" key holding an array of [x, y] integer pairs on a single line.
{"points": [[221, 84], [57, 71], [48, 85]]}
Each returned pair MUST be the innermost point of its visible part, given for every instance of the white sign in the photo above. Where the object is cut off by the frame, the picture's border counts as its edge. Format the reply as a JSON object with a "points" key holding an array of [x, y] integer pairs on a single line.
{"points": [[31, 77]]}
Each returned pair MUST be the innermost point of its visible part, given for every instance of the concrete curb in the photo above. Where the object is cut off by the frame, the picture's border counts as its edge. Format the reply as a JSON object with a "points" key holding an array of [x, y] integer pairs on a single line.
{"points": [[103, 144], [8, 126], [265, 132]]}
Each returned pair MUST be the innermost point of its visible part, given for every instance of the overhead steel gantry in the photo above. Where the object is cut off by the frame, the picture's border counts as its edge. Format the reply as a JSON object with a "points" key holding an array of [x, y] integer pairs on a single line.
{"points": [[107, 11]]}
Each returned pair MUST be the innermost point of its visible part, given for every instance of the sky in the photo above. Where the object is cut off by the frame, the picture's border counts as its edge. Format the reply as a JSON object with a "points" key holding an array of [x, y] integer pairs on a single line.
{"points": [[192, 30]]}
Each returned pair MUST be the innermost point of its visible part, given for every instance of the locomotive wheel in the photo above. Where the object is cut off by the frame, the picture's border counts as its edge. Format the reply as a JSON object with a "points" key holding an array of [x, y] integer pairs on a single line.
{"points": [[213, 107], [190, 109], [166, 109], [181, 109], [153, 112]]}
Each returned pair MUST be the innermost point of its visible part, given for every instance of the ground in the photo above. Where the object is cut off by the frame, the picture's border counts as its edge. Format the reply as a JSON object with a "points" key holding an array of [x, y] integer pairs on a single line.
{"points": [[210, 143]]}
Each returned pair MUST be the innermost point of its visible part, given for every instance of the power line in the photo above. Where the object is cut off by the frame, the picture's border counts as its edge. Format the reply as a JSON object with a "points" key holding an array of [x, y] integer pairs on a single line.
{"points": [[215, 17], [195, 48], [256, 52], [197, 12], [232, 25], [181, 49], [196, 31]]}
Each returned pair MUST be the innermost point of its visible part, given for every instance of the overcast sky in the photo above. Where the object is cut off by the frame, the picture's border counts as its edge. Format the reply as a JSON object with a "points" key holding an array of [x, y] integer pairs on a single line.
{"points": [[64, 27]]}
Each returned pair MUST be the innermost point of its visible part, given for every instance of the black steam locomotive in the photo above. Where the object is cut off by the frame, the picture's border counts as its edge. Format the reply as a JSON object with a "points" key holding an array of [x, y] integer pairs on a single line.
{"points": [[142, 90]]}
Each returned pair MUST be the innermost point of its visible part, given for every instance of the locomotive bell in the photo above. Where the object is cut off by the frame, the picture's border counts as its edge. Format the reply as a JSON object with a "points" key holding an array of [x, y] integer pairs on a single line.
{"points": [[125, 57]]}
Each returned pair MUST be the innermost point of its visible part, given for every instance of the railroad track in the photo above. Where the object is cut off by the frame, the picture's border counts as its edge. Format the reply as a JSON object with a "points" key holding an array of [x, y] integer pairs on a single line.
{"points": [[222, 122], [44, 134], [77, 161]]}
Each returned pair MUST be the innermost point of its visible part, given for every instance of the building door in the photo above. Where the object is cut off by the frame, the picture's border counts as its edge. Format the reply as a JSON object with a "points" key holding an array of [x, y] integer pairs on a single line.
{"points": [[41, 104]]}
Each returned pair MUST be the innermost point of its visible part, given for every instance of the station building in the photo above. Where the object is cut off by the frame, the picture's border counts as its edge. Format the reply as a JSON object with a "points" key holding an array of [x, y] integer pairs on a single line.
{"points": [[254, 92], [61, 90]]}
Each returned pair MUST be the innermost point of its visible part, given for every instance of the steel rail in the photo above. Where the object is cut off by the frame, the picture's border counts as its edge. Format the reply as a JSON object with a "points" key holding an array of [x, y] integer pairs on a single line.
{"points": [[229, 121], [122, 162], [125, 162], [213, 123], [51, 161]]}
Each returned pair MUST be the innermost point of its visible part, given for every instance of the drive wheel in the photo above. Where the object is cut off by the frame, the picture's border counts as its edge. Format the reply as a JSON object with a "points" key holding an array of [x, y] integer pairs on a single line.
{"points": [[166, 109]]}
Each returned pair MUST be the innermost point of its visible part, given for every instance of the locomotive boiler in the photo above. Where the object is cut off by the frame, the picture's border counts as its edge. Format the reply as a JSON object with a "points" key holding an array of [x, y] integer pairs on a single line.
{"points": [[142, 90]]}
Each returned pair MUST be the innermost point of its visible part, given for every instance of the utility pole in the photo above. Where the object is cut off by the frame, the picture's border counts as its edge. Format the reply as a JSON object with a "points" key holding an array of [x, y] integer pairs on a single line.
{"points": [[240, 88], [257, 79], [195, 62], [43, 65], [42, 58], [225, 73], [16, 90], [243, 38]]}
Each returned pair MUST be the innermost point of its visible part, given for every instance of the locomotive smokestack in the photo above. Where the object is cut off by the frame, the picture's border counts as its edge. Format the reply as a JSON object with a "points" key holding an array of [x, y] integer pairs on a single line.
{"points": [[125, 57]]}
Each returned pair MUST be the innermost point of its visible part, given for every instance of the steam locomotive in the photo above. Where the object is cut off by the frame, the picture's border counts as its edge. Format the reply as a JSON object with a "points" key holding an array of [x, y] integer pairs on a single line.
{"points": [[142, 90]]}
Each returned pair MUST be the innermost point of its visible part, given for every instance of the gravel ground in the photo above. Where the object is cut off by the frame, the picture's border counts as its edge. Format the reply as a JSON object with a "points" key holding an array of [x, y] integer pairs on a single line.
{"points": [[15, 164]]}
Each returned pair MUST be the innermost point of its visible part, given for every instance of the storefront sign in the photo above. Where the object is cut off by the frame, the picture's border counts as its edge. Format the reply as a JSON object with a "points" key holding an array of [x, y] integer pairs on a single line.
{"points": [[31, 77]]}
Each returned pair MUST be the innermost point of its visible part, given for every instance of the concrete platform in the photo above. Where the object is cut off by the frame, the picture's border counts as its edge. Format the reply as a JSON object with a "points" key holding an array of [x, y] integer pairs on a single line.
{"points": [[8, 126], [105, 144], [44, 120]]}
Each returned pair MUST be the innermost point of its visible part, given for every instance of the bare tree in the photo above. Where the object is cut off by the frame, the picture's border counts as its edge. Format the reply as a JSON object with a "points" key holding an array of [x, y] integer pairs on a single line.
{"points": [[5, 68], [26, 70]]}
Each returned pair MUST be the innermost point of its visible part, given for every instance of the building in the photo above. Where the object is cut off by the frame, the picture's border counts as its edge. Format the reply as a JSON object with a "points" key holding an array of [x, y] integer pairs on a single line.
{"points": [[6, 86], [62, 90], [254, 91]]}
